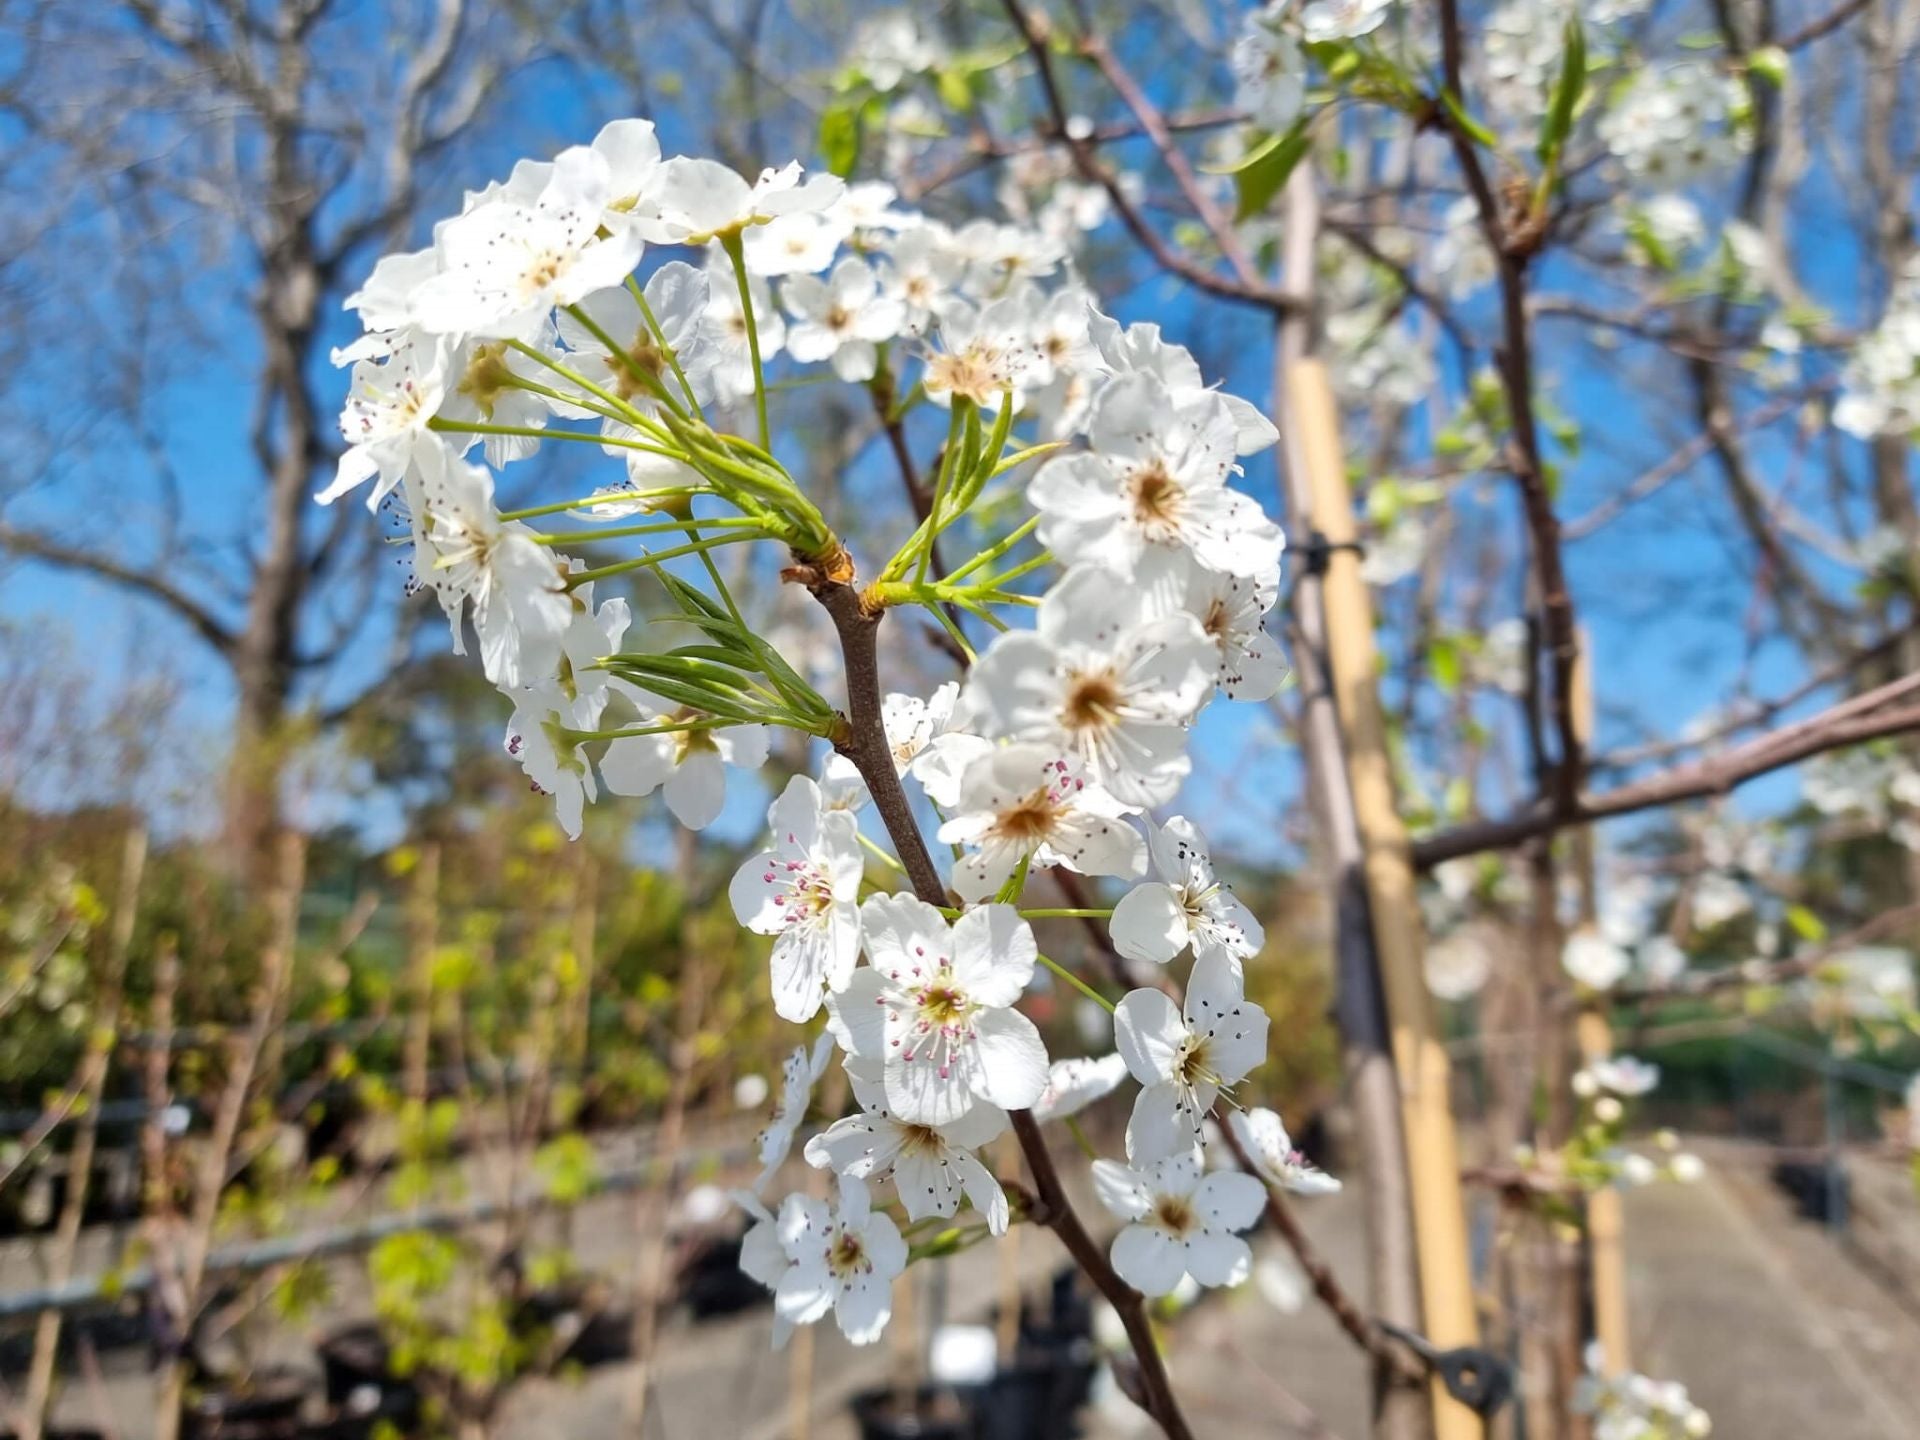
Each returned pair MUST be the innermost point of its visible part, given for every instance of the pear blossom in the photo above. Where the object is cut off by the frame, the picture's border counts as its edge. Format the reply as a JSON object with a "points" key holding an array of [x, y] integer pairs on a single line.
{"points": [[932, 1165], [1232, 611], [921, 269], [1141, 349], [1020, 803], [581, 689], [643, 361], [1001, 256], [891, 46], [1595, 961], [1157, 919], [1623, 1075], [513, 589], [688, 767], [934, 1007], [1263, 1136], [486, 384], [842, 1259], [1184, 1057], [1072, 1085], [803, 243], [389, 403], [805, 891], [1103, 678], [798, 1075], [763, 1258], [1061, 328], [553, 764], [984, 355], [726, 354], [927, 743], [697, 200], [841, 319], [868, 206], [1270, 71], [1155, 477], [1322, 20], [508, 262], [1181, 1222]]}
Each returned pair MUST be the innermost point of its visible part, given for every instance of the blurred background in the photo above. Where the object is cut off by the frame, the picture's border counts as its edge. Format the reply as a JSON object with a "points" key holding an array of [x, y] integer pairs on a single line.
{"points": [[339, 1090]]}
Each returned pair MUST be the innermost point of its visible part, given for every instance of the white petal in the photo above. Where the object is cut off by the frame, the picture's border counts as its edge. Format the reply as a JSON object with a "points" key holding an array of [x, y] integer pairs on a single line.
{"points": [[1149, 1259], [1013, 1059], [1214, 1258], [1149, 924]]}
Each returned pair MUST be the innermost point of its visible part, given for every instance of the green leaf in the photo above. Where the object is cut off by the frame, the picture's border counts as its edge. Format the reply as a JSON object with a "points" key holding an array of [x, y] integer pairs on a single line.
{"points": [[1443, 655], [1770, 63], [956, 90], [1567, 93], [1806, 924], [840, 138], [1261, 179]]}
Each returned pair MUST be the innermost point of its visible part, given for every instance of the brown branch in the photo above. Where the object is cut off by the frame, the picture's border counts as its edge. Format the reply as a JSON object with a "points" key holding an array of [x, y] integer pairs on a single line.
{"points": [[864, 742], [1513, 245], [1865, 717], [1086, 159], [143, 581], [984, 149], [1779, 972], [1826, 24], [1326, 1285]]}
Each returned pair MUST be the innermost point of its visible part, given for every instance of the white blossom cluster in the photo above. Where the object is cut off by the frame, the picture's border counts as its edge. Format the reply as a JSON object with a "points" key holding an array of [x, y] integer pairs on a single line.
{"points": [[1634, 1407], [1675, 123], [533, 307], [1880, 385]]}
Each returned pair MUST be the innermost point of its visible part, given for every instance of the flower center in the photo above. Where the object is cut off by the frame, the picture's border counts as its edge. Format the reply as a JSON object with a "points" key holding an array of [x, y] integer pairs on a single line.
{"points": [[847, 1257], [1156, 495], [1093, 702], [920, 1140], [1217, 622], [644, 361], [487, 375], [1172, 1212], [1193, 1066], [1030, 820]]}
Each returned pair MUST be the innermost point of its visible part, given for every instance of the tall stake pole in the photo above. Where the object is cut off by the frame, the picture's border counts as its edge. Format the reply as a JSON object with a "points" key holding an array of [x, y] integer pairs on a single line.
{"points": [[1393, 1275], [1606, 1219], [1433, 1157]]}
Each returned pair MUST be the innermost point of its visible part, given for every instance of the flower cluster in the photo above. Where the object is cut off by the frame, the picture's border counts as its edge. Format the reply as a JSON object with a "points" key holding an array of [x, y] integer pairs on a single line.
{"points": [[637, 303], [1634, 1407], [1880, 387]]}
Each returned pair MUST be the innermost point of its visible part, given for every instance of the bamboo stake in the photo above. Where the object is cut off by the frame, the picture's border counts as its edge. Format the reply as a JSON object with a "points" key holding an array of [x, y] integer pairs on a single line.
{"points": [[91, 1085], [1400, 1411], [1433, 1158], [1606, 1216]]}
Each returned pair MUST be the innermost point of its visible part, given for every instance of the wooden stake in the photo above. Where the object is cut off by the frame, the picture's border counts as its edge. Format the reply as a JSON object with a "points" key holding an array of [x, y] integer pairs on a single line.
{"points": [[1433, 1157]]}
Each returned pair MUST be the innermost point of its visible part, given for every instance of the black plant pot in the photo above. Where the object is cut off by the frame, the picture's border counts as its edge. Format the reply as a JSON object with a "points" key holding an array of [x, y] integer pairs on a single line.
{"points": [[267, 1408], [934, 1413], [360, 1387], [57, 1434], [713, 1284]]}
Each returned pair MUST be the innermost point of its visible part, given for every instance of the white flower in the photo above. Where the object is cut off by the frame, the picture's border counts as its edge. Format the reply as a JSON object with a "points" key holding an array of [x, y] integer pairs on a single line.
{"points": [[762, 1257], [1021, 802], [803, 243], [385, 302], [1060, 325], [922, 270], [1687, 1168], [389, 403], [726, 355], [1458, 964], [696, 201], [485, 385], [806, 891], [927, 743], [1595, 961], [1671, 124], [513, 587], [1322, 20], [1270, 1149], [797, 1076], [1002, 256], [1232, 611], [841, 319], [891, 46], [1184, 1057], [1624, 1075], [934, 1007], [1662, 960], [1072, 1085], [508, 262], [1182, 1223], [1155, 920], [1155, 479], [677, 296], [1102, 678], [1270, 73], [579, 687], [687, 766], [932, 1165], [983, 355], [869, 206], [843, 1260], [552, 762], [1140, 349]]}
